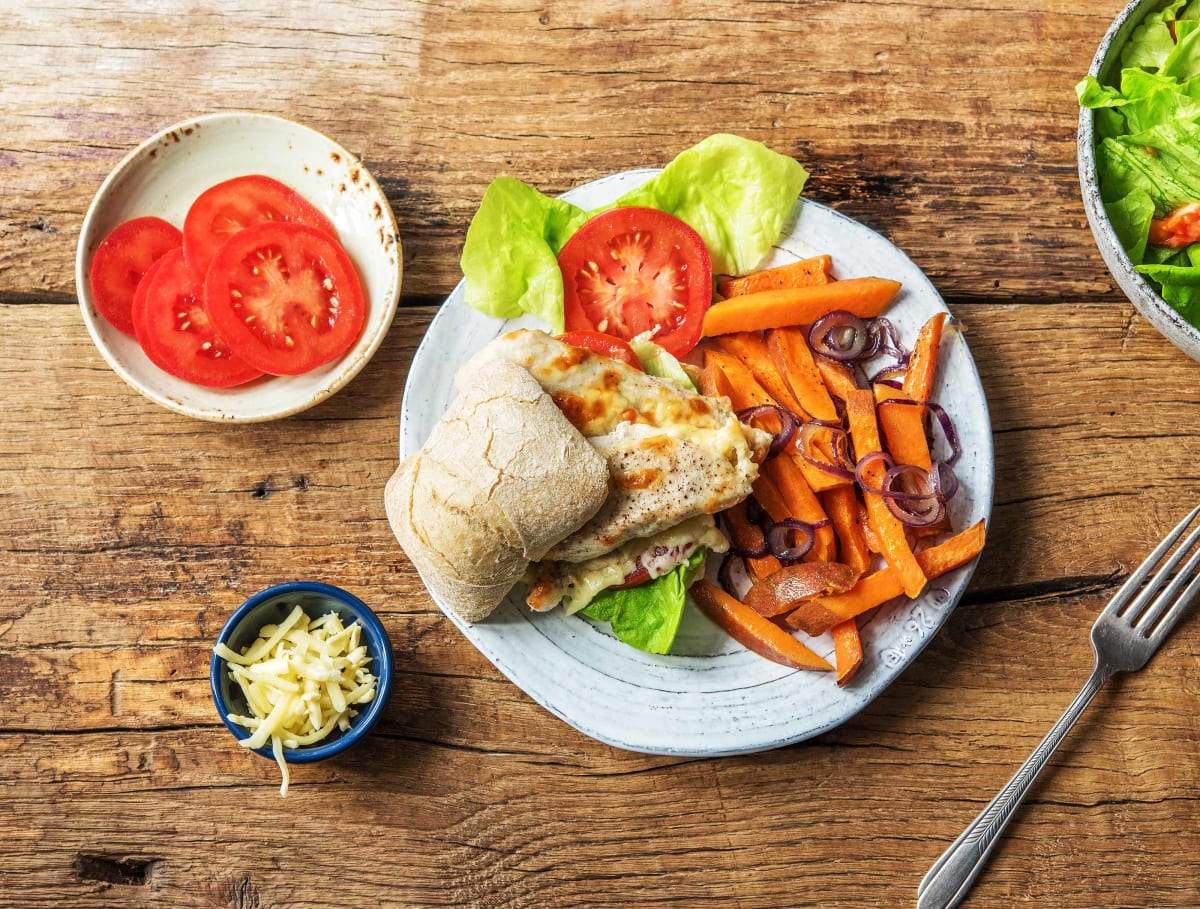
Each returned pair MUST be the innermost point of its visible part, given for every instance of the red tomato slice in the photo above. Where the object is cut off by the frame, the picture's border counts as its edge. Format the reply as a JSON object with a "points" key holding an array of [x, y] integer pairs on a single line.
{"points": [[174, 330], [285, 297], [222, 210], [603, 344], [632, 270], [122, 260], [1178, 229]]}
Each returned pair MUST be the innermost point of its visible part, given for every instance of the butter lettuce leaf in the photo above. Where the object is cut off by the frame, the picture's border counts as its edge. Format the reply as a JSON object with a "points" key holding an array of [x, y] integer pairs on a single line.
{"points": [[1151, 42], [736, 193], [1180, 286], [1130, 217], [647, 616], [657, 362], [510, 257]]}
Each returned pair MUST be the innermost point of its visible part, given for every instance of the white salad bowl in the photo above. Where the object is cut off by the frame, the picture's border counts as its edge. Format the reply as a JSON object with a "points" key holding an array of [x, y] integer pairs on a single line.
{"points": [[711, 696], [165, 174], [1106, 66]]}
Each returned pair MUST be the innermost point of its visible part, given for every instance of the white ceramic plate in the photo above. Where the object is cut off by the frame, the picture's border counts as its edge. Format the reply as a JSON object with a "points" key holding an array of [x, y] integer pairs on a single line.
{"points": [[165, 174], [711, 696]]}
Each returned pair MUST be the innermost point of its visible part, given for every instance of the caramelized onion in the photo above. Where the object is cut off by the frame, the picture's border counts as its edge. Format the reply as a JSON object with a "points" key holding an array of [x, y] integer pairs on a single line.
{"points": [[787, 425], [839, 335], [915, 496], [843, 336], [943, 420], [725, 574], [780, 534], [911, 495], [842, 464]]}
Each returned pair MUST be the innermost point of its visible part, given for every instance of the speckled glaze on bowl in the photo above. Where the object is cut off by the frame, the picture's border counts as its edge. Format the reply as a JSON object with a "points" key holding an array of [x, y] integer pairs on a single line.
{"points": [[271, 606], [1157, 311], [165, 174]]}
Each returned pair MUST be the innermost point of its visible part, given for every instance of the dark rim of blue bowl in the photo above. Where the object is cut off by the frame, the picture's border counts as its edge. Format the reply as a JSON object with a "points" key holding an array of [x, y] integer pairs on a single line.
{"points": [[375, 637]]}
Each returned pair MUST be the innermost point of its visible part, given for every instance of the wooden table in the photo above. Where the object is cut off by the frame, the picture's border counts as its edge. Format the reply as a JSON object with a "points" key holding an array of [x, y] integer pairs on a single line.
{"points": [[130, 533]]}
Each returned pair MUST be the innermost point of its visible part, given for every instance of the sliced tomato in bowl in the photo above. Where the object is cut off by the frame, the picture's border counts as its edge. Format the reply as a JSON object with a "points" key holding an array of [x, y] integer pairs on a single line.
{"points": [[122, 260], [227, 208], [285, 297], [633, 270], [604, 344], [173, 328]]}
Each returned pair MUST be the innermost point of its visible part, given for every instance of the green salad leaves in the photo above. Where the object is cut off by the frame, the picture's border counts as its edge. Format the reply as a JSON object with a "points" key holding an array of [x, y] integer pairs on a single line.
{"points": [[1148, 145], [734, 192], [647, 616]]}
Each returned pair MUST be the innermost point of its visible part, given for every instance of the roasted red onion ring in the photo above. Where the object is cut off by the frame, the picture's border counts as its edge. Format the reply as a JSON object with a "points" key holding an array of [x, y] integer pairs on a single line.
{"points": [[842, 464], [839, 335], [787, 425], [943, 419], [779, 534]]}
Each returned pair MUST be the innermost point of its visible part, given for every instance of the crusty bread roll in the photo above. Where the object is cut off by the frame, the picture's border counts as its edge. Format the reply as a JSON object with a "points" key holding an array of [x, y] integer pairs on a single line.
{"points": [[503, 477]]}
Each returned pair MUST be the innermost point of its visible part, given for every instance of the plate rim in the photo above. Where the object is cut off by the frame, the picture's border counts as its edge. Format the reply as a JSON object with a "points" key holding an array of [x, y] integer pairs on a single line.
{"points": [[984, 496]]}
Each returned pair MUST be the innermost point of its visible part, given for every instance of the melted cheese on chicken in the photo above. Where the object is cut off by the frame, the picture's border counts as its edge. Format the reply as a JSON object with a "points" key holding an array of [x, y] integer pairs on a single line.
{"points": [[576, 584], [672, 454]]}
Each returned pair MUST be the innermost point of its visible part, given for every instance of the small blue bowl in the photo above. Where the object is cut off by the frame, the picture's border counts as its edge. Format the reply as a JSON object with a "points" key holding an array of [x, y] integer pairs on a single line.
{"points": [[272, 606]]}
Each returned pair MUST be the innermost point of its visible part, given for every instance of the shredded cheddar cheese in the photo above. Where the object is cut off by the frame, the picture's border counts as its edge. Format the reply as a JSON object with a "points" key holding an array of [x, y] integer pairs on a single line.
{"points": [[302, 679]]}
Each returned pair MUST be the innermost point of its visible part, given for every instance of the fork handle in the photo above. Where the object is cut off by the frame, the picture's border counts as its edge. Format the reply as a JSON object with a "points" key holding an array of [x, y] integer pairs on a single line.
{"points": [[951, 877]]}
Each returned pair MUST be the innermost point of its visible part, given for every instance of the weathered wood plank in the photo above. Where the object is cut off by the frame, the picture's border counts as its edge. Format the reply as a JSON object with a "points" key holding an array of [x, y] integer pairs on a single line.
{"points": [[903, 119], [128, 534]]}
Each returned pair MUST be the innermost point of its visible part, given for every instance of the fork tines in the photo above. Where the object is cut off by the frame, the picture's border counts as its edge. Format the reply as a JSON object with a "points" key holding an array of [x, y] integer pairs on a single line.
{"points": [[1144, 607]]}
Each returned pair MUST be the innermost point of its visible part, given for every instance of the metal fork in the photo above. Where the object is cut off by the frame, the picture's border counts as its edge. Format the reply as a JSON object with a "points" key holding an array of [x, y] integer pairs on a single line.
{"points": [[1130, 629]]}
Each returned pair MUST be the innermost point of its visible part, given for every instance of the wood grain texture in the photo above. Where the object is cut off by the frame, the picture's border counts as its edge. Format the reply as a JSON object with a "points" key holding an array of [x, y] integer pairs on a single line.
{"points": [[128, 533]]}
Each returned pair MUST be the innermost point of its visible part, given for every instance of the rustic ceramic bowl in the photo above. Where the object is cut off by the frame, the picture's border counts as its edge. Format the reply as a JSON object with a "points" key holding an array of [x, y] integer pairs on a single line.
{"points": [[163, 176], [272, 606], [1158, 312]]}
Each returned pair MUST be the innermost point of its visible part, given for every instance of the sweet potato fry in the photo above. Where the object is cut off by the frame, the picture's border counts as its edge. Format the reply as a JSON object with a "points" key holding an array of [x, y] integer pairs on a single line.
{"points": [[918, 378], [865, 297], [770, 499], [838, 377], [751, 349], [789, 351], [847, 650], [733, 379], [860, 409], [841, 504], [802, 503], [783, 590], [903, 425], [806, 272], [752, 631], [747, 536], [818, 615]]}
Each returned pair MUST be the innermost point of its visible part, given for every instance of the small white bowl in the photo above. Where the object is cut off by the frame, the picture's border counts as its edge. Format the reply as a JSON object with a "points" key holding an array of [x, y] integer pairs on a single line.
{"points": [[1106, 66], [165, 174]]}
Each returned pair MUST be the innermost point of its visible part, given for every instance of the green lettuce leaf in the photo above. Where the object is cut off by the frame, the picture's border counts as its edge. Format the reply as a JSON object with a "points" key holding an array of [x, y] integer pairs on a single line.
{"points": [[510, 255], [734, 192], [1180, 286], [1167, 175], [1151, 42], [1092, 94], [1130, 217], [647, 616], [1183, 63], [657, 362]]}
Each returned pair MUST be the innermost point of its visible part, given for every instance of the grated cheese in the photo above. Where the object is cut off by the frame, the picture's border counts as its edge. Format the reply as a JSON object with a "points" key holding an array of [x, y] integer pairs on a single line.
{"points": [[302, 679]]}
